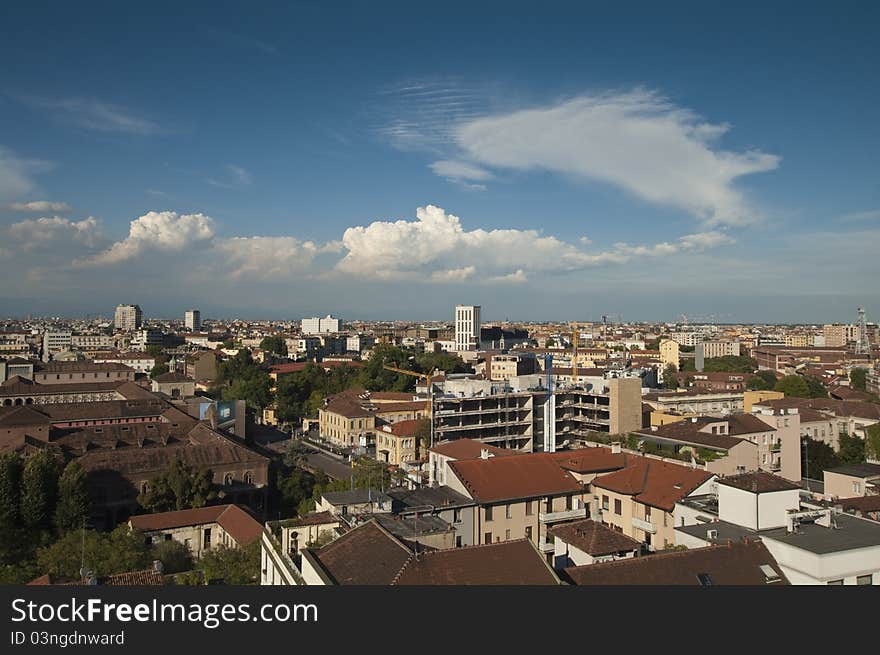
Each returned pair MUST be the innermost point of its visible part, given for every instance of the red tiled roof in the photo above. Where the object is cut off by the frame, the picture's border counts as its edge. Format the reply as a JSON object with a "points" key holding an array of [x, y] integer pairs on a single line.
{"points": [[469, 449], [590, 460], [594, 538], [240, 525], [653, 482], [505, 563], [733, 564], [506, 478]]}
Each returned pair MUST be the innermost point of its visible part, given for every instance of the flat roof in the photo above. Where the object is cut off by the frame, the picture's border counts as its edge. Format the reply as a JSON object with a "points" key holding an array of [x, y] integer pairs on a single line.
{"points": [[851, 533]]}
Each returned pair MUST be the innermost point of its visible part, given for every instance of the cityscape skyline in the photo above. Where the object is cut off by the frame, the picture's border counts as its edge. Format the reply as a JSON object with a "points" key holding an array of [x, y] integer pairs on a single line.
{"points": [[301, 157]]}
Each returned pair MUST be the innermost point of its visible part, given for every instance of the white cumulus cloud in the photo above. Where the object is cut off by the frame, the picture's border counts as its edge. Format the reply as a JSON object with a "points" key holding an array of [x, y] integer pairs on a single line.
{"points": [[436, 248], [34, 233], [165, 231]]}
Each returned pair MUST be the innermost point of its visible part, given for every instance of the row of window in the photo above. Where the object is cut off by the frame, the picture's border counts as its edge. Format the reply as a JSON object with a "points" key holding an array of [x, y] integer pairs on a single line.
{"points": [[530, 508], [487, 537]]}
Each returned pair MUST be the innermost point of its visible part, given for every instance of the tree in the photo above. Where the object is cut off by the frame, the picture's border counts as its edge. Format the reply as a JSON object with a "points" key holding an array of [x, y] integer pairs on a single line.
{"points": [[174, 555], [240, 378], [74, 503], [852, 449], [816, 387], [120, 551], [11, 469], [730, 364], [232, 566], [39, 490], [793, 385], [180, 487], [157, 370], [550, 343], [423, 434], [858, 379], [274, 344], [670, 377], [762, 381], [816, 456]]}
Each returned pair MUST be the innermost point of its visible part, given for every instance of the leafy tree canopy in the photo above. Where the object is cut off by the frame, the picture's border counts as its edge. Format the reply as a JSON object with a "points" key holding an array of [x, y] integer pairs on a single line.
{"points": [[180, 487]]}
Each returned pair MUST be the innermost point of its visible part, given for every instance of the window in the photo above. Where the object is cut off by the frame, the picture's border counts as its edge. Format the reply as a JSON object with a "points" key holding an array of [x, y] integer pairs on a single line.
{"points": [[488, 513], [865, 579], [456, 516], [207, 537], [857, 487], [835, 582], [648, 514], [507, 535], [529, 508], [604, 502], [528, 532], [617, 507], [507, 513], [568, 502], [487, 538], [458, 542]]}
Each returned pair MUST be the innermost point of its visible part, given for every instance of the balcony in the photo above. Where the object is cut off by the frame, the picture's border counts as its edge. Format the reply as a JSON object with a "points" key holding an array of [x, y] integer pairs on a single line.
{"points": [[565, 515], [775, 447], [641, 524]]}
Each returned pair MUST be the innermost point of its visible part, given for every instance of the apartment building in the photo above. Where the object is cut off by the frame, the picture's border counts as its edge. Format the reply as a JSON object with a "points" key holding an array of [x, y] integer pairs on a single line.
{"points": [[839, 334], [128, 317], [518, 497], [317, 325], [695, 401], [639, 500], [192, 320], [467, 327], [350, 419]]}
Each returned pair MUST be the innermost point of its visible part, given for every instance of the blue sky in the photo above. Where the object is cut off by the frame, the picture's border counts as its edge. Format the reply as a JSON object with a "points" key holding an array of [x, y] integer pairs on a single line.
{"points": [[560, 161]]}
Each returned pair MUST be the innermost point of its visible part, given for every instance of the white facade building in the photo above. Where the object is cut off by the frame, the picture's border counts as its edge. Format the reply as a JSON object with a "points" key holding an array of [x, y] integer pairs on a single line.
{"points": [[319, 325], [467, 327], [193, 320]]}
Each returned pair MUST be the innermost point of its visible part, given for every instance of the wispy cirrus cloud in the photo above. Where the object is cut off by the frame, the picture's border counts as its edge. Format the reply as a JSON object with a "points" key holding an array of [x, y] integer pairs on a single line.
{"points": [[92, 114], [16, 174], [637, 140], [40, 206], [236, 176]]}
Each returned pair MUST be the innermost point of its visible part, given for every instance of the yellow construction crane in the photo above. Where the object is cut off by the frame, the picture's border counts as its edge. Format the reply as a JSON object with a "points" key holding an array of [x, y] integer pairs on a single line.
{"points": [[427, 377]]}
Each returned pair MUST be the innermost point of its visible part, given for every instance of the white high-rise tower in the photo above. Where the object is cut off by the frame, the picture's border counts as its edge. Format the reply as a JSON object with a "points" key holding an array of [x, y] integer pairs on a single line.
{"points": [[467, 327], [193, 320]]}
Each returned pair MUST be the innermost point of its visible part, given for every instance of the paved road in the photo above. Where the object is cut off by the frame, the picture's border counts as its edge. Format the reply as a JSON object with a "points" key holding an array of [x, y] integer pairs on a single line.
{"points": [[333, 468]]}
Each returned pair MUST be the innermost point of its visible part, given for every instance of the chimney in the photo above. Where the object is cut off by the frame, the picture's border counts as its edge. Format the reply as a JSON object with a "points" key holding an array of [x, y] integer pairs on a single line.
{"points": [[485, 454]]}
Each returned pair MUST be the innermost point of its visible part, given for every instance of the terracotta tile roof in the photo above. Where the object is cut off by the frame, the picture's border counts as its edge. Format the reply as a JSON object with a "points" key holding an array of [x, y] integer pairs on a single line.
{"points": [[590, 460], [22, 415], [173, 376], [366, 555], [733, 564], [468, 449], [506, 563], [758, 482], [688, 431], [240, 525], [530, 475], [594, 538], [145, 578], [653, 482], [405, 428]]}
